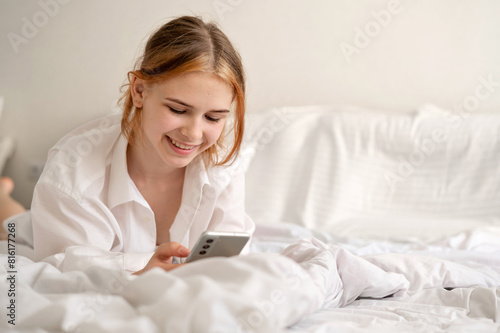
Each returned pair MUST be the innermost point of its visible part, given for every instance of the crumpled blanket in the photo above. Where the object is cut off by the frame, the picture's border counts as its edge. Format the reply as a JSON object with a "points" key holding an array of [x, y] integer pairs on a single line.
{"points": [[259, 292]]}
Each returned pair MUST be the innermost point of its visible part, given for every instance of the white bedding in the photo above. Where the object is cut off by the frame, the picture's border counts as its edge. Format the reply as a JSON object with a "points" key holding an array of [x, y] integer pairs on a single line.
{"points": [[313, 286], [358, 253], [366, 173]]}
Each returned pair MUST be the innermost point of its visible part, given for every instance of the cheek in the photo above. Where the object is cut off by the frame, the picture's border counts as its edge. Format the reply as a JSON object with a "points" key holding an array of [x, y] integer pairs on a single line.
{"points": [[159, 122], [216, 132], [152, 127]]}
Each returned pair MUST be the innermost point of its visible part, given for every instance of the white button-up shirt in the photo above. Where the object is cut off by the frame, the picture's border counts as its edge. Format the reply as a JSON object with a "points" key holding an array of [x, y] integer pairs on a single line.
{"points": [[85, 197]]}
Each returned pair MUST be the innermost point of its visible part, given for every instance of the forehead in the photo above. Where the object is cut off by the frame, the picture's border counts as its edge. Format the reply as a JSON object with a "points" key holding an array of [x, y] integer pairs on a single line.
{"points": [[197, 88]]}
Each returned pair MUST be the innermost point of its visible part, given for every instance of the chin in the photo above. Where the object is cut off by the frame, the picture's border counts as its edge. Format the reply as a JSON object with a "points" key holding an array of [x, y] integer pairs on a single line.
{"points": [[178, 163]]}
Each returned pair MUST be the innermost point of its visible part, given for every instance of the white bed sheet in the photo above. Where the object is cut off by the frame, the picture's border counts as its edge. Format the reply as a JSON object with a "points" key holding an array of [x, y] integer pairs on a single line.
{"points": [[313, 287], [454, 282]]}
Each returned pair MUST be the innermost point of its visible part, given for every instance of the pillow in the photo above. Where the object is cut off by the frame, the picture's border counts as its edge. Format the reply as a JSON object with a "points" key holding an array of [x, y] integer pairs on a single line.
{"points": [[367, 173]]}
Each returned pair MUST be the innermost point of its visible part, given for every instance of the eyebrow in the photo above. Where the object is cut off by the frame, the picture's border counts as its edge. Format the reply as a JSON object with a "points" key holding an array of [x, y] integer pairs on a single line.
{"points": [[178, 101]]}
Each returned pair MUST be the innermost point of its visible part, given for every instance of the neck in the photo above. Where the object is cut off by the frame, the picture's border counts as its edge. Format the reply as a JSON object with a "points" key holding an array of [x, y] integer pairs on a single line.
{"points": [[146, 169]]}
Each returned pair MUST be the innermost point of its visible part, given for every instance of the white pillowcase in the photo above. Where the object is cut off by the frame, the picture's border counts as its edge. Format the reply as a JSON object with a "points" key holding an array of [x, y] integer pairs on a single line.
{"points": [[373, 174]]}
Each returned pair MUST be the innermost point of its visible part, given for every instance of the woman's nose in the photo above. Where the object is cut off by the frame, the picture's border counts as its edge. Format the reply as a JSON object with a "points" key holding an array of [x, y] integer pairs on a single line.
{"points": [[192, 129]]}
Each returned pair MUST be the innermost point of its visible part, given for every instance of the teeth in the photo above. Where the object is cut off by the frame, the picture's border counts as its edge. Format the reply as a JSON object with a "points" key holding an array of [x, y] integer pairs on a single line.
{"points": [[180, 145]]}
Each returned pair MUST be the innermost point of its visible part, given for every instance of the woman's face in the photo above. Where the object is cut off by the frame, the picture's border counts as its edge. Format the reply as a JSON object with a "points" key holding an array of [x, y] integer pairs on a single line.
{"points": [[182, 116]]}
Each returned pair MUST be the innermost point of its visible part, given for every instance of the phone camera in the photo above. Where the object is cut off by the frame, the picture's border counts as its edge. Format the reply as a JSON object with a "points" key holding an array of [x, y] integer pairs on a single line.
{"points": [[210, 240], [203, 252], [206, 246]]}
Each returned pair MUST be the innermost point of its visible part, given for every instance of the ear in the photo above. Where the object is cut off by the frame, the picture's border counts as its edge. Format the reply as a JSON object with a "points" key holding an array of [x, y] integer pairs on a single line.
{"points": [[137, 87]]}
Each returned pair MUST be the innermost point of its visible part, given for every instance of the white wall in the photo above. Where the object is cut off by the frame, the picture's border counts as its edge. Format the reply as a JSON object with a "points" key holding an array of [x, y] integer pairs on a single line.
{"points": [[70, 69]]}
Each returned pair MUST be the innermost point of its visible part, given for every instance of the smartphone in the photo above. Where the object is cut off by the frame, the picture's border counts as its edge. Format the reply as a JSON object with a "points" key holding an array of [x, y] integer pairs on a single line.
{"points": [[218, 244]]}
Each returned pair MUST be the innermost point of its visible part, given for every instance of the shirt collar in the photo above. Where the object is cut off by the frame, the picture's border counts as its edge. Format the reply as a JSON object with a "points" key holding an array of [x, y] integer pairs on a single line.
{"points": [[120, 183], [196, 174], [121, 186]]}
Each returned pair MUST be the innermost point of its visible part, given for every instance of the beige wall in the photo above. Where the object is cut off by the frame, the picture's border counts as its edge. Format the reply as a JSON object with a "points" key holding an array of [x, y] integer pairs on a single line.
{"points": [[61, 65]]}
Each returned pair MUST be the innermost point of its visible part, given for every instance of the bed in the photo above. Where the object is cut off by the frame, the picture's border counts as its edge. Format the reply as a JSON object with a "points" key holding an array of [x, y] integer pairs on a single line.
{"points": [[366, 221]]}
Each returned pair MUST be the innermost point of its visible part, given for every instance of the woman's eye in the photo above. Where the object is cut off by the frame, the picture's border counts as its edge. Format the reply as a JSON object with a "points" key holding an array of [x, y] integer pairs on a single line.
{"points": [[175, 111], [212, 119]]}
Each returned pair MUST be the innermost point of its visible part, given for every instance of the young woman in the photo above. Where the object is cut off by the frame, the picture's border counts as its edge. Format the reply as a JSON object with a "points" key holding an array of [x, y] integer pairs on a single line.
{"points": [[147, 183]]}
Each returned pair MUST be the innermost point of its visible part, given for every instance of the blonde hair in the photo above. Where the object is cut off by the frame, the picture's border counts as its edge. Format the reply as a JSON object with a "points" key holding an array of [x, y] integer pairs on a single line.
{"points": [[184, 45]]}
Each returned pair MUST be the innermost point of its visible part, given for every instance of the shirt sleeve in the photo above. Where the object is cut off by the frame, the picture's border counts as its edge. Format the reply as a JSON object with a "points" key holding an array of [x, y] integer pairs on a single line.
{"points": [[78, 258], [229, 212], [61, 221]]}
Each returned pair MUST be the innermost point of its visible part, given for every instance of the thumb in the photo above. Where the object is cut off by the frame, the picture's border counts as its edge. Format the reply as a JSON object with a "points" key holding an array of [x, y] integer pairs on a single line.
{"points": [[172, 249]]}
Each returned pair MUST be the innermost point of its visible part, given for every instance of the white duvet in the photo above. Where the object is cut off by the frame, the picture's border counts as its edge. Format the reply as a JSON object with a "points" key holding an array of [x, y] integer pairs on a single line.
{"points": [[317, 284]]}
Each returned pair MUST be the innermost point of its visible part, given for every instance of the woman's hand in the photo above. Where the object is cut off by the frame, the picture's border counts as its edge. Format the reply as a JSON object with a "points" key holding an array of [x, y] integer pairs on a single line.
{"points": [[163, 257]]}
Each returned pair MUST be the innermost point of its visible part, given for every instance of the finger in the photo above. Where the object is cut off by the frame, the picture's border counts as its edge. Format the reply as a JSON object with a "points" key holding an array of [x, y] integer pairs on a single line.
{"points": [[172, 249], [183, 252]]}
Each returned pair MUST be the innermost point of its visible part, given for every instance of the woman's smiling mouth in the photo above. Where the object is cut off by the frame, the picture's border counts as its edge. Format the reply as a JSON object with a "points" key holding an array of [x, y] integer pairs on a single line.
{"points": [[181, 146]]}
